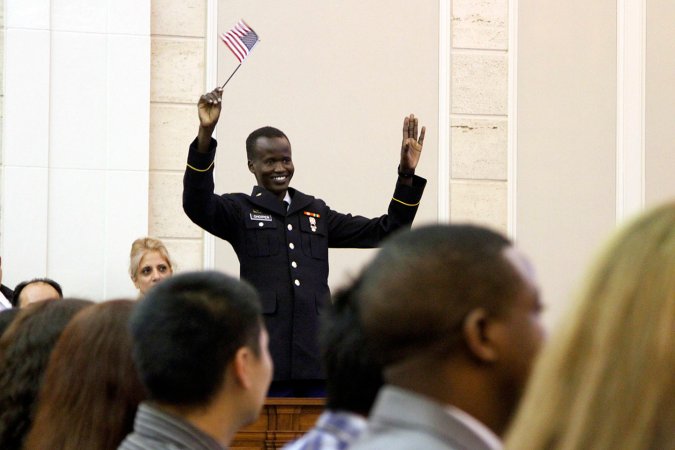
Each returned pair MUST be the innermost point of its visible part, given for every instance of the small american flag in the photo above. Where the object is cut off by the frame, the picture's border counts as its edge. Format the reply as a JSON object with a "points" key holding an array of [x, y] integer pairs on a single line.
{"points": [[240, 40]]}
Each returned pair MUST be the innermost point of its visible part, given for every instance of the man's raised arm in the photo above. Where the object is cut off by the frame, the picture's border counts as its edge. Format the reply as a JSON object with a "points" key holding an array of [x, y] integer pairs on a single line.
{"points": [[209, 112]]}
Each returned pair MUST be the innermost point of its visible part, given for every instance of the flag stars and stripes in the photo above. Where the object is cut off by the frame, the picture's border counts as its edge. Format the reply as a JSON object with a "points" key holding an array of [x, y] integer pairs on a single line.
{"points": [[240, 40]]}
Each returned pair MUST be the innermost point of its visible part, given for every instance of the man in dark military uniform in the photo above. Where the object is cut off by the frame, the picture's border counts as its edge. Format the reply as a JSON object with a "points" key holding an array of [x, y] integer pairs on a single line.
{"points": [[281, 236]]}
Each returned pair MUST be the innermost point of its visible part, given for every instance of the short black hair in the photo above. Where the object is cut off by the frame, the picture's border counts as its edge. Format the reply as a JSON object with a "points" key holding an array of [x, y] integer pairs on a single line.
{"points": [[187, 329], [267, 132], [20, 287], [417, 291], [353, 377]]}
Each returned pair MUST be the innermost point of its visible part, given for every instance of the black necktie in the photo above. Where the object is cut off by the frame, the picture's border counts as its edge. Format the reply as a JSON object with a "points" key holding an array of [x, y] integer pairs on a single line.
{"points": [[286, 205]]}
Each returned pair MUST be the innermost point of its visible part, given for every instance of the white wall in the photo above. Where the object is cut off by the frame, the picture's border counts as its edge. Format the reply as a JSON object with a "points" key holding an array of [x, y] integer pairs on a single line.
{"points": [[75, 142]]}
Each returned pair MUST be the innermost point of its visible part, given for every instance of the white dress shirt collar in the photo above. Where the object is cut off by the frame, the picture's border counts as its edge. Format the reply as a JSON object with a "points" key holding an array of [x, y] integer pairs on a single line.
{"points": [[485, 434]]}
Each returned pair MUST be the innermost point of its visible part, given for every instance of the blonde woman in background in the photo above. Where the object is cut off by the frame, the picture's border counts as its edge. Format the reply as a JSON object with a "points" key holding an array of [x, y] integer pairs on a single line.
{"points": [[149, 263], [607, 379]]}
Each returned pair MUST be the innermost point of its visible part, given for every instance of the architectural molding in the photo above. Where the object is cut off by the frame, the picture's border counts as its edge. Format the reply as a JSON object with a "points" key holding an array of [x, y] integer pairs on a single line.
{"points": [[444, 79], [630, 126], [512, 145], [211, 78]]}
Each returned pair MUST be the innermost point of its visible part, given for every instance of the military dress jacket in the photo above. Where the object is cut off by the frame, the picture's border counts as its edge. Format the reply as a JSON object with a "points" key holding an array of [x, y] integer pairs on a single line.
{"points": [[284, 253]]}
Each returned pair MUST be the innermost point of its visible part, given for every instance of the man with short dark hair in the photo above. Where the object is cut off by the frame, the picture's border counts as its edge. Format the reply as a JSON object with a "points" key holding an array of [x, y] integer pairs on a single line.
{"points": [[281, 236], [36, 290], [452, 313], [353, 379], [201, 351]]}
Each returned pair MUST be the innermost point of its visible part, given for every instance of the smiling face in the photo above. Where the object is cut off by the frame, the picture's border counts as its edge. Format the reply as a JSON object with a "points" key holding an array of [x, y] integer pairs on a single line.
{"points": [[272, 164], [152, 269]]}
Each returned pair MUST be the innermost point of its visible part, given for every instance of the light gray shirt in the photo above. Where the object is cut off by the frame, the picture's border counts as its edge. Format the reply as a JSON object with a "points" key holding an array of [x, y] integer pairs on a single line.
{"points": [[405, 420], [155, 429]]}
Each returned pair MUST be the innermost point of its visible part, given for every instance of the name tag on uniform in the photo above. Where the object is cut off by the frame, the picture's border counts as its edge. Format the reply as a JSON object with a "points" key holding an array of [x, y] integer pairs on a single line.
{"points": [[263, 217]]}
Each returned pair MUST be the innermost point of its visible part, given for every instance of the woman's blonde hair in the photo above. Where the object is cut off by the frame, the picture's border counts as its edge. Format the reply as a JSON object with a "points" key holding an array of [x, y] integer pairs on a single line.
{"points": [[140, 247], [607, 379]]}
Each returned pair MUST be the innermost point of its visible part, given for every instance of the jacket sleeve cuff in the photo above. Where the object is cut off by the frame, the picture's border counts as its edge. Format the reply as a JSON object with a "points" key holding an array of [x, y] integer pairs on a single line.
{"points": [[201, 162], [410, 195]]}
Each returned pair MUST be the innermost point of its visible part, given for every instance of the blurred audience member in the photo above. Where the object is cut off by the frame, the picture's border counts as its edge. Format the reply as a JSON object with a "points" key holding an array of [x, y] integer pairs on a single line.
{"points": [[353, 379], [91, 388], [36, 290], [6, 317], [24, 351], [6, 293], [452, 312], [201, 351], [607, 379], [149, 263]]}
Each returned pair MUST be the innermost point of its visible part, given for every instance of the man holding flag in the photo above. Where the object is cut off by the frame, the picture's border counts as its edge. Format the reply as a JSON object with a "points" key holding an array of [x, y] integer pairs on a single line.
{"points": [[281, 236]]}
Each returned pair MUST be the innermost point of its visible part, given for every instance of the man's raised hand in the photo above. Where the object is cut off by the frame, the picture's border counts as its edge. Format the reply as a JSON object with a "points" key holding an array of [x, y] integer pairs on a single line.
{"points": [[209, 108], [411, 145], [209, 111]]}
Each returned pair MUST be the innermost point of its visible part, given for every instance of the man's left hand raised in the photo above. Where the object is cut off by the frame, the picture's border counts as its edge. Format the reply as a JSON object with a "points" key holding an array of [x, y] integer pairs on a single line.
{"points": [[411, 148]]}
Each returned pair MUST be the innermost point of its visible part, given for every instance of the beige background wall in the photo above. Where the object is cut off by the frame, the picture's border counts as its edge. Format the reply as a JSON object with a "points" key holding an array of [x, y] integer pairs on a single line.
{"points": [[660, 102], [566, 127], [578, 172]]}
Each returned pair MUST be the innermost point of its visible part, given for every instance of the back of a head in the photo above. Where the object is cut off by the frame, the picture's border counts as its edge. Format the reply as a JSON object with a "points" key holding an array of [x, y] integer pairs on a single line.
{"points": [[25, 348], [616, 352], [186, 331], [418, 290], [16, 298], [98, 410], [353, 377]]}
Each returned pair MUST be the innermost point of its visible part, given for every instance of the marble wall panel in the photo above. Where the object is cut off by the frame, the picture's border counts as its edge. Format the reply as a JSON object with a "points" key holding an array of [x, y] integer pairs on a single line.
{"points": [[172, 128], [480, 24], [479, 148], [480, 202], [177, 71], [187, 254], [479, 83], [179, 17], [166, 216]]}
